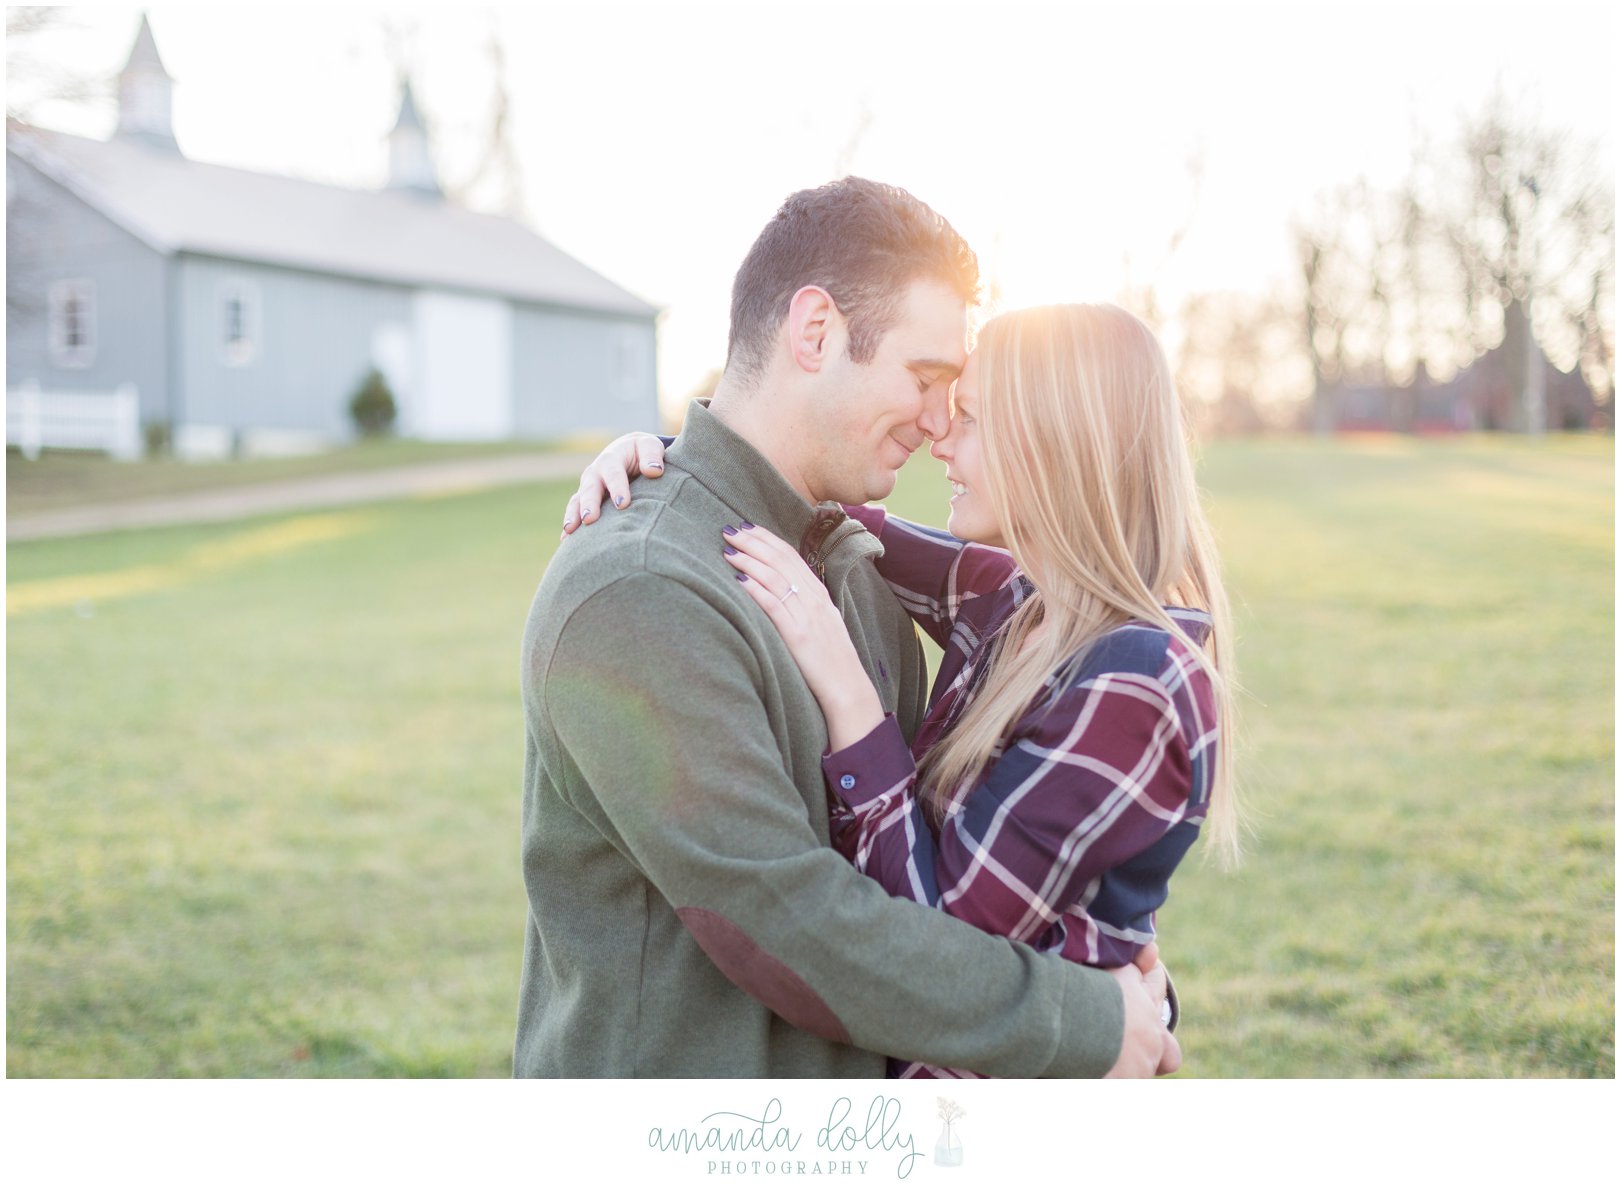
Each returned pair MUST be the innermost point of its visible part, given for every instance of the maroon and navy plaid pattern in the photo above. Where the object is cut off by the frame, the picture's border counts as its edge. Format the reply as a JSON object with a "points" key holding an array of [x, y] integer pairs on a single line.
{"points": [[1067, 838]]}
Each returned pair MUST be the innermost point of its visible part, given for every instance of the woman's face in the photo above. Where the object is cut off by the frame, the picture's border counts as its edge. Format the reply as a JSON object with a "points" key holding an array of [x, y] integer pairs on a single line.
{"points": [[973, 518]]}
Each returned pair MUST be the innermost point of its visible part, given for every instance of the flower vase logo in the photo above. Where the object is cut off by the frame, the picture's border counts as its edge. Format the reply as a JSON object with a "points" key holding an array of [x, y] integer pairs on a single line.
{"points": [[948, 1148]]}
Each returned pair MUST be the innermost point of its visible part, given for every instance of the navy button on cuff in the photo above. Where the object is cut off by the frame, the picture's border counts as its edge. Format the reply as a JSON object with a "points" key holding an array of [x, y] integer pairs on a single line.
{"points": [[847, 782]]}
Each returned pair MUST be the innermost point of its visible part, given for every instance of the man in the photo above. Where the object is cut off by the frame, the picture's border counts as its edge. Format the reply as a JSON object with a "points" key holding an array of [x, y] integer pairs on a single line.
{"points": [[687, 916]]}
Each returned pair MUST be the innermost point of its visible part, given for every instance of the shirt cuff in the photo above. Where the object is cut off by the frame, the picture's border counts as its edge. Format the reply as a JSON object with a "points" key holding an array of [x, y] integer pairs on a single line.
{"points": [[871, 766]]}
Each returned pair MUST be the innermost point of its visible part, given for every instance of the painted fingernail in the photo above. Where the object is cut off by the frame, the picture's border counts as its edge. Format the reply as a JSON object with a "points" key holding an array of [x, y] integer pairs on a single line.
{"points": [[746, 524], [729, 531], [742, 577], [619, 502], [654, 466], [728, 549]]}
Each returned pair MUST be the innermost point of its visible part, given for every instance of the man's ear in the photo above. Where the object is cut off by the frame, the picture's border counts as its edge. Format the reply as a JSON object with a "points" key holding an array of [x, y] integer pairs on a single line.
{"points": [[814, 324]]}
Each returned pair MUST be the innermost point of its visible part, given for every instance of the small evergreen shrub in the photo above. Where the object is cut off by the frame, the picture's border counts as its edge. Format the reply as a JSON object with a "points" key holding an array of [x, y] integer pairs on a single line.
{"points": [[372, 407]]}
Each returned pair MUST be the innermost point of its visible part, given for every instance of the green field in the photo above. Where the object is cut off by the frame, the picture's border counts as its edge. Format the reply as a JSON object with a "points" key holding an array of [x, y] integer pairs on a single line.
{"points": [[263, 779]]}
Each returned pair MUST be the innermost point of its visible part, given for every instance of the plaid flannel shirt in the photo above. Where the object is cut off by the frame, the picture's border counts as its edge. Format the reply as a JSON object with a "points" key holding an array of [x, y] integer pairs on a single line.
{"points": [[1067, 838]]}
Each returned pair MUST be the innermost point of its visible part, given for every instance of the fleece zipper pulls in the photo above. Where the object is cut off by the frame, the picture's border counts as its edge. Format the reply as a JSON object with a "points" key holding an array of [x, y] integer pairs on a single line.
{"points": [[814, 544], [846, 545], [832, 533]]}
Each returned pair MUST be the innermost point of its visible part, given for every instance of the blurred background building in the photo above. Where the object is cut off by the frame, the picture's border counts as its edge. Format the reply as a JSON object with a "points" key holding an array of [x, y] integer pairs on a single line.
{"points": [[245, 310]]}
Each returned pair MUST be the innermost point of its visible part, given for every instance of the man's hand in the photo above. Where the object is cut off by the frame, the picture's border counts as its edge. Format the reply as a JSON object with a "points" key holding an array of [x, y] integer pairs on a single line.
{"points": [[1147, 1049]]}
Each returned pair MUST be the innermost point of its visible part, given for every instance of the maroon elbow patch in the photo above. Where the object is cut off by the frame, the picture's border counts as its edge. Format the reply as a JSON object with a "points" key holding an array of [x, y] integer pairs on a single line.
{"points": [[761, 975]]}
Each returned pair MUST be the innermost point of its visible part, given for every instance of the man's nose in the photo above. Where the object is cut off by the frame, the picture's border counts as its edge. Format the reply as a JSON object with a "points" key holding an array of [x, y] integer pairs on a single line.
{"points": [[935, 419]]}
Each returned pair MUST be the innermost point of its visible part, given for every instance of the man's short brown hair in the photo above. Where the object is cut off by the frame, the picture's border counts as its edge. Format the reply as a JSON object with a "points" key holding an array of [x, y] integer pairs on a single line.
{"points": [[865, 243]]}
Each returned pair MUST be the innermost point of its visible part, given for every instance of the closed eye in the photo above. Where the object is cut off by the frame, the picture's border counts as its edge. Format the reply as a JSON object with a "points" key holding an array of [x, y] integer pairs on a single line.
{"points": [[929, 372]]}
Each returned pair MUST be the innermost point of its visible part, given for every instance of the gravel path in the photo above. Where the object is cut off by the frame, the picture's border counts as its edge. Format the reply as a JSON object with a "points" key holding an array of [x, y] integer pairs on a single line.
{"points": [[326, 491]]}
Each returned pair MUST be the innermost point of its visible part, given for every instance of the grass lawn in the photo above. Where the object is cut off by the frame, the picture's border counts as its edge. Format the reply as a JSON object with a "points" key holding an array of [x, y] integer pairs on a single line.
{"points": [[70, 478], [263, 779]]}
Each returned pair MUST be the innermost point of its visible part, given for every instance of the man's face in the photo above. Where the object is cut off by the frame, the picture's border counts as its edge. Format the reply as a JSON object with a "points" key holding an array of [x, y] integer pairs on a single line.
{"points": [[875, 414]]}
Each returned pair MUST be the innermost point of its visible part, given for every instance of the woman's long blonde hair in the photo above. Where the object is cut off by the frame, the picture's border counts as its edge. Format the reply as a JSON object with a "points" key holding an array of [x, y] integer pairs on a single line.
{"points": [[1092, 482]]}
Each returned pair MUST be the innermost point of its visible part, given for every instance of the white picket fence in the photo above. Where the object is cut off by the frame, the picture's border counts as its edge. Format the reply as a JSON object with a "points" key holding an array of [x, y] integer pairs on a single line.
{"points": [[108, 421]]}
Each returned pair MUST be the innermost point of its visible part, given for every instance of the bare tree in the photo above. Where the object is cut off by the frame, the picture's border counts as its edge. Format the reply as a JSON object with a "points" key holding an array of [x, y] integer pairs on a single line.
{"points": [[1533, 227], [36, 80], [1577, 289], [1506, 236], [399, 34], [1141, 297], [496, 181], [1346, 248], [35, 77], [1310, 250], [1597, 315], [1240, 368], [489, 178]]}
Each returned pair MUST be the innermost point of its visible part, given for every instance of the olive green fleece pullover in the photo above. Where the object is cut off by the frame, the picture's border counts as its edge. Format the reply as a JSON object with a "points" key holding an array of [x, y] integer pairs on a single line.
{"points": [[687, 917]]}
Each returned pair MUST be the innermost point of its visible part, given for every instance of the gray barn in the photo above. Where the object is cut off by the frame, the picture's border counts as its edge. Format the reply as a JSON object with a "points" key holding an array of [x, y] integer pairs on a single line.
{"points": [[246, 309]]}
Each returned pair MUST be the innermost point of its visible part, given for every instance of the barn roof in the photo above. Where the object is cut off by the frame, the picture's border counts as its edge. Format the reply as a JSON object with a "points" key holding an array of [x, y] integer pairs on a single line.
{"points": [[176, 205]]}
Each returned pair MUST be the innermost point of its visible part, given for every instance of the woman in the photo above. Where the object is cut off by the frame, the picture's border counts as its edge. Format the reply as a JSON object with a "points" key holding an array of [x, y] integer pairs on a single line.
{"points": [[1080, 727]]}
